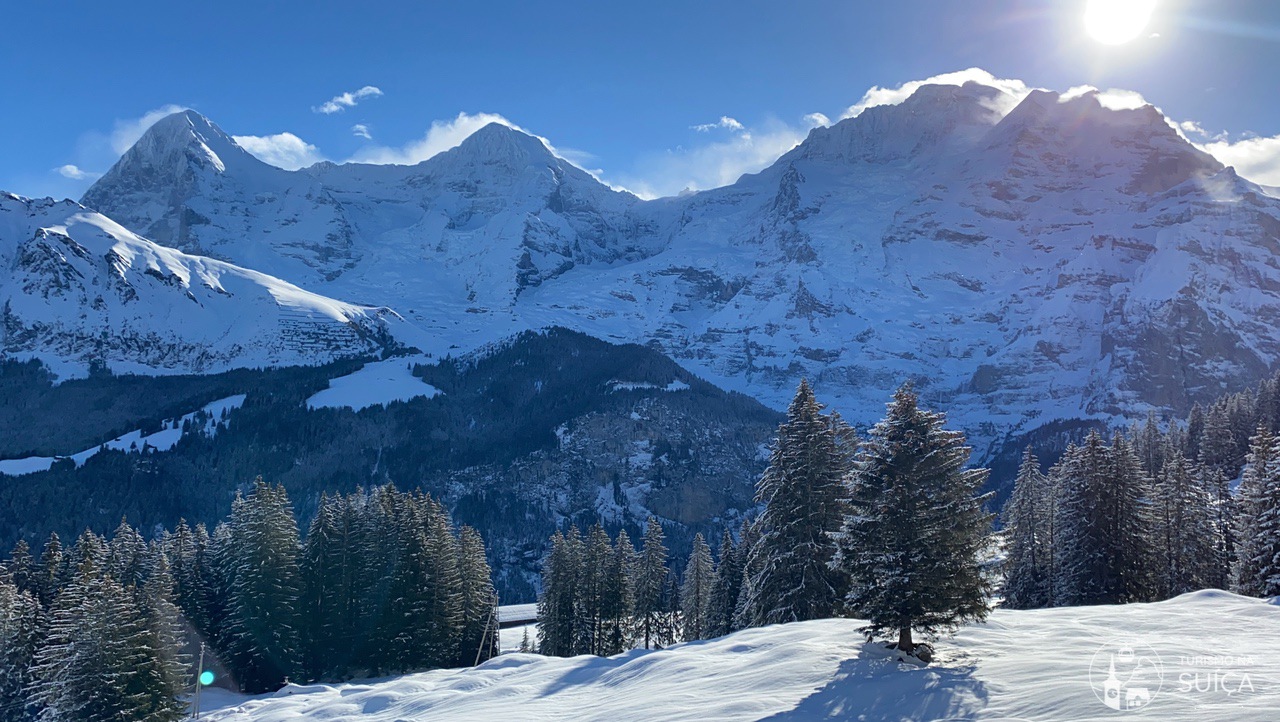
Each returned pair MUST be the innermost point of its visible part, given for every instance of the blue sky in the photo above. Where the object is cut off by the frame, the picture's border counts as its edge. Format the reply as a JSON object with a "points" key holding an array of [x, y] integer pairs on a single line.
{"points": [[620, 88]]}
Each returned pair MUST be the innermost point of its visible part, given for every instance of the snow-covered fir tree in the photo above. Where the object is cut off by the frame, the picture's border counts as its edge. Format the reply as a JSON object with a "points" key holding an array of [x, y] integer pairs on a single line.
{"points": [[556, 604], [1028, 538], [262, 642], [790, 575], [912, 537], [1105, 526], [652, 609], [724, 592], [1186, 537], [479, 635], [100, 660], [695, 591], [1257, 565], [620, 601], [20, 621]]}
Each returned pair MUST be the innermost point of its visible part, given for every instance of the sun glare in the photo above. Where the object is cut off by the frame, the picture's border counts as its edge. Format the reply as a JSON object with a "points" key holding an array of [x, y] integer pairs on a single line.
{"points": [[1115, 22]]}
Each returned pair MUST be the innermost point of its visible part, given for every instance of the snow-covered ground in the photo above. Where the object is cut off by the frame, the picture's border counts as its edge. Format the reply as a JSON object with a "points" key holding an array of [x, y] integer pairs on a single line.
{"points": [[1204, 656], [162, 440], [375, 384]]}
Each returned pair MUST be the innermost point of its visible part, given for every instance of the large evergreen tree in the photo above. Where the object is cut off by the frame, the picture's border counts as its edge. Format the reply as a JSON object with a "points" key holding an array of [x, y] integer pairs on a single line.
{"points": [[652, 611], [791, 577], [1257, 566], [1105, 550], [556, 604], [19, 635], [915, 529], [726, 588], [479, 601], [695, 591], [1028, 541], [1186, 536], [263, 646]]}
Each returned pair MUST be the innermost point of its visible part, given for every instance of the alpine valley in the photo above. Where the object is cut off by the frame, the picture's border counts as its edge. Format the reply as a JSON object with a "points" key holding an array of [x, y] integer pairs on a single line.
{"points": [[1036, 262]]}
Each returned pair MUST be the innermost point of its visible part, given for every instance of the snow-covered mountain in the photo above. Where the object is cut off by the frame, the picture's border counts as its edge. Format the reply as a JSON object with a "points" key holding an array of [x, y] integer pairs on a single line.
{"points": [[1025, 259], [77, 287]]}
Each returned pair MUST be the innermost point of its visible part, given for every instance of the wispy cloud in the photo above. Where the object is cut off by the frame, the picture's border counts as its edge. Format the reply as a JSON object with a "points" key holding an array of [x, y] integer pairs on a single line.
{"points": [[1255, 158], [1014, 90], [719, 162], [441, 136], [725, 122], [74, 172], [127, 132], [283, 150], [342, 101], [360, 130]]}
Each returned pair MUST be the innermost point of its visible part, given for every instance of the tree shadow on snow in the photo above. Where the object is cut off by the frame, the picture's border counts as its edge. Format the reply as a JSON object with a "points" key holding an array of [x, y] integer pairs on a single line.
{"points": [[877, 689]]}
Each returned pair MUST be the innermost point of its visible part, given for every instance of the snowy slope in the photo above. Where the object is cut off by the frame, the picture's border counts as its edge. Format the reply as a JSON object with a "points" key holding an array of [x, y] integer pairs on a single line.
{"points": [[77, 287], [1021, 665], [377, 383], [162, 440], [1025, 259]]}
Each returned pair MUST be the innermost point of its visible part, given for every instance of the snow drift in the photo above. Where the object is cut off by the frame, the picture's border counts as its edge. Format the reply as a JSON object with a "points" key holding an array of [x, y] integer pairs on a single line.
{"points": [[1216, 651]]}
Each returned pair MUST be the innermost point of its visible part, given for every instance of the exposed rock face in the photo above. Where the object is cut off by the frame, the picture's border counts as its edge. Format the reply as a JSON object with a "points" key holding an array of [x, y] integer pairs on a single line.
{"points": [[1024, 259]]}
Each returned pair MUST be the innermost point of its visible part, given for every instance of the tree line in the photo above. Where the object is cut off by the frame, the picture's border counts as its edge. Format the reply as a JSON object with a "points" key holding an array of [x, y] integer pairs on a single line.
{"points": [[889, 528], [111, 629], [1146, 517]]}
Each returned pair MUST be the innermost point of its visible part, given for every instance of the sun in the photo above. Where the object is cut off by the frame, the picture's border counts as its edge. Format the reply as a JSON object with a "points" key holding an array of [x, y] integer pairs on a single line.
{"points": [[1115, 22]]}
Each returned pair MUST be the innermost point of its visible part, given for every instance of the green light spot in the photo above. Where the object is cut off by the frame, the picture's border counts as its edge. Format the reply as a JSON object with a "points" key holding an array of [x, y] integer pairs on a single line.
{"points": [[206, 678]]}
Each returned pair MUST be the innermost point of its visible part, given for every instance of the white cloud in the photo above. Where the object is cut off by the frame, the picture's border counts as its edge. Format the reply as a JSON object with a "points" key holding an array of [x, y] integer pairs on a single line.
{"points": [[717, 163], [283, 150], [127, 132], [816, 120], [1257, 159], [441, 136], [74, 172], [1015, 90], [342, 101], [360, 130], [725, 122]]}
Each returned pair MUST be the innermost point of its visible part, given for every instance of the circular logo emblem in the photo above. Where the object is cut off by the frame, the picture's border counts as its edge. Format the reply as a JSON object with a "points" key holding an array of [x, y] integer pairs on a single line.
{"points": [[1126, 674]]}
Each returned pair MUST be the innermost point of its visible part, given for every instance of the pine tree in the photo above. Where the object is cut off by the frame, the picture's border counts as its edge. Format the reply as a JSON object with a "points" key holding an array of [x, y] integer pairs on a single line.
{"points": [[50, 576], [1257, 566], [326, 592], [559, 593], [593, 592], [100, 661], [1185, 531], [651, 593], [1105, 527], [479, 600], [19, 637], [264, 584], [1027, 573], [911, 540], [695, 591], [22, 567], [620, 596], [801, 490], [125, 553], [725, 590]]}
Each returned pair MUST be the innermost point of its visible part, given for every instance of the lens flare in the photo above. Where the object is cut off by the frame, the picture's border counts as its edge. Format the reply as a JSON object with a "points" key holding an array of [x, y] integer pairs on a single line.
{"points": [[1116, 22]]}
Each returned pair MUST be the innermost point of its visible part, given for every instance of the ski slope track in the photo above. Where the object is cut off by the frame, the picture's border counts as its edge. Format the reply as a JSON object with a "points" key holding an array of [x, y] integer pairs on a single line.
{"points": [[1024, 258], [1033, 666]]}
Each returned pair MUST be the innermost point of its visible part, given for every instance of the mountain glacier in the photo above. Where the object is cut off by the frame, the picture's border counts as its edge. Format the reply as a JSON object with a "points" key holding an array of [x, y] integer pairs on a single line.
{"points": [[1023, 259]]}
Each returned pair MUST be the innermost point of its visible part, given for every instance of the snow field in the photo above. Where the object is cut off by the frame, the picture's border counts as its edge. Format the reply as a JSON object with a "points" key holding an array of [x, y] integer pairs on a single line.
{"points": [[1020, 665]]}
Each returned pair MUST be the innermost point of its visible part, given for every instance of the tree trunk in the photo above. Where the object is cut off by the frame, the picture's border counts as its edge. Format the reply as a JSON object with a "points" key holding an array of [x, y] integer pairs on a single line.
{"points": [[904, 640]]}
